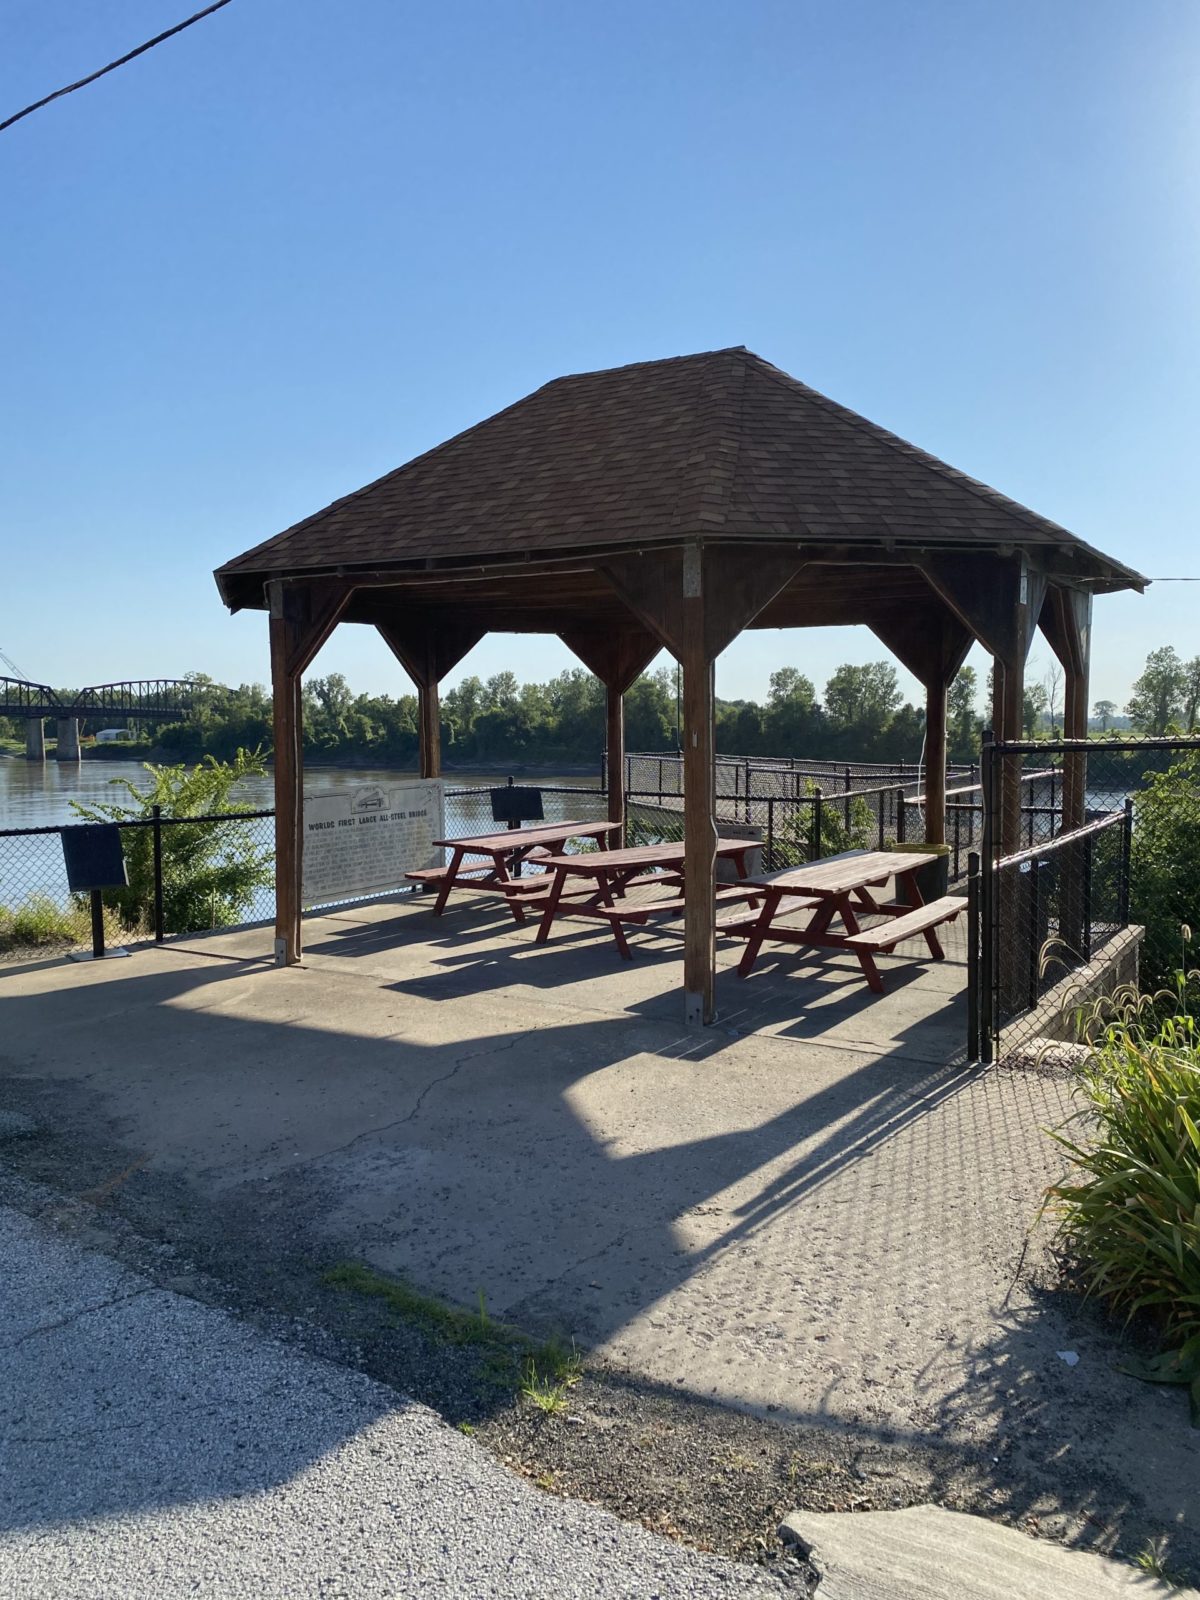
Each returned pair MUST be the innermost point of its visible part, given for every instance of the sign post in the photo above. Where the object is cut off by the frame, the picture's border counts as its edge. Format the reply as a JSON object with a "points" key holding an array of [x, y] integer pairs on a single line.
{"points": [[95, 861]]}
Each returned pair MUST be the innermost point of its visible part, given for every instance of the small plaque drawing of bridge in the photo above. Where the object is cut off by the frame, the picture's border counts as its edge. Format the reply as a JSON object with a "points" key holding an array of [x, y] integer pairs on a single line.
{"points": [[132, 699]]}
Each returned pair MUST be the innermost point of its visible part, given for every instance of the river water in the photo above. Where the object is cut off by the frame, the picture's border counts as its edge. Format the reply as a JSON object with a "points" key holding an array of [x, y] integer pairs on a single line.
{"points": [[39, 794]]}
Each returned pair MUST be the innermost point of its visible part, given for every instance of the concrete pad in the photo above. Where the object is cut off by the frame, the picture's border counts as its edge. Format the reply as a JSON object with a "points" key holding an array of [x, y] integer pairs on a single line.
{"points": [[808, 1211], [927, 1553]]}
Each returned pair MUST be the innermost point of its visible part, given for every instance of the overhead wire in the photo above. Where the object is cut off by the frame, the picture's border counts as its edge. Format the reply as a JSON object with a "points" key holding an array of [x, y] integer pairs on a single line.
{"points": [[112, 66]]}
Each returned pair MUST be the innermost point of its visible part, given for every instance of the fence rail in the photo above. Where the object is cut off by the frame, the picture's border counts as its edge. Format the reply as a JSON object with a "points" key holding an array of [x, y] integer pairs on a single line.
{"points": [[1082, 840]]}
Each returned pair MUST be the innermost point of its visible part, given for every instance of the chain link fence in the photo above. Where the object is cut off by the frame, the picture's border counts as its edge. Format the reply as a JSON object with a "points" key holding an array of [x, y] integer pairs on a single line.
{"points": [[192, 875], [1095, 883]]}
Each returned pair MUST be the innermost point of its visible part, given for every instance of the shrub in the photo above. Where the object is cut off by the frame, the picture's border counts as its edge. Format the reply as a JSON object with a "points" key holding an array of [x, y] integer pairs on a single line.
{"points": [[210, 871], [1165, 864], [1130, 1210]]}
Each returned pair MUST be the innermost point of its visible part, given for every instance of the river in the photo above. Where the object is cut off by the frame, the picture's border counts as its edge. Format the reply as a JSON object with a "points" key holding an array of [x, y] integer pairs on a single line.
{"points": [[39, 794]]}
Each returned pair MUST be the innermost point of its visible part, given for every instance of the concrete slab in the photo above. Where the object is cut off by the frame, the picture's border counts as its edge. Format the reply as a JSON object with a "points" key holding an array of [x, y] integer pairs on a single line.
{"points": [[809, 1210], [927, 1553]]}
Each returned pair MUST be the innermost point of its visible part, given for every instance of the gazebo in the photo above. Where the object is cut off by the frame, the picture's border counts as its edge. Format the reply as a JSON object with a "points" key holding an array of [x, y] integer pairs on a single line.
{"points": [[673, 503]]}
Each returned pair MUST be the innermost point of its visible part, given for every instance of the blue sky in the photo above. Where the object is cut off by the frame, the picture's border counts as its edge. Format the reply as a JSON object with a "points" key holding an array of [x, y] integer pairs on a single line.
{"points": [[304, 241]]}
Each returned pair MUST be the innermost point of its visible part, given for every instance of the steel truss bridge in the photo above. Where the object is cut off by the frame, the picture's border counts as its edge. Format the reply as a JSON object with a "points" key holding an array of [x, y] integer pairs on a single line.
{"points": [[144, 699]]}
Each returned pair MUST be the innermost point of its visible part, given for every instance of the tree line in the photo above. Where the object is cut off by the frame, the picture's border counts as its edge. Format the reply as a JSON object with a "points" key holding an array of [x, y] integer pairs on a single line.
{"points": [[861, 715]]}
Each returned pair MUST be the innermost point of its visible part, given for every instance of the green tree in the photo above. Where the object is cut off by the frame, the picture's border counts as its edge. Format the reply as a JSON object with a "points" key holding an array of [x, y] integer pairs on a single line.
{"points": [[210, 872], [962, 725], [1157, 697], [1191, 693], [1104, 711], [862, 698]]}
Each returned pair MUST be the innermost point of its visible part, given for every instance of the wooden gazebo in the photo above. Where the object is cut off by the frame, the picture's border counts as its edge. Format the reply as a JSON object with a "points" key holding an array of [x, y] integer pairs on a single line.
{"points": [[672, 503]]}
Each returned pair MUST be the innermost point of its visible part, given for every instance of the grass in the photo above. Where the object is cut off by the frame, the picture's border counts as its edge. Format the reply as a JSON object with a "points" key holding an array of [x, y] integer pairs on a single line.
{"points": [[1129, 1211], [541, 1371], [40, 923], [1152, 1559]]}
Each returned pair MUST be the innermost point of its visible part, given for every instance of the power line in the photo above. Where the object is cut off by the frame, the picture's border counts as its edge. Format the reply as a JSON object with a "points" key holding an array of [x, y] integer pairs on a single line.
{"points": [[113, 65]]}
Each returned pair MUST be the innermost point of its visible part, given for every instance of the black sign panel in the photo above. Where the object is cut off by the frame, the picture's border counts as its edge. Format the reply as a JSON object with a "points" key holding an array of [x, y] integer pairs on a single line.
{"points": [[511, 804], [94, 857]]}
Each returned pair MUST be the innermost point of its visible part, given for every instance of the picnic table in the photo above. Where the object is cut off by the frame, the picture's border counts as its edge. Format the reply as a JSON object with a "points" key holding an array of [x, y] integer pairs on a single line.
{"points": [[499, 870], [840, 888], [606, 876]]}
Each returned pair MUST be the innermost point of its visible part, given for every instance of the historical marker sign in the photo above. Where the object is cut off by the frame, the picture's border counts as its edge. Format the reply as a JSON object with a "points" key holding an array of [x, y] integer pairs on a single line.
{"points": [[362, 838]]}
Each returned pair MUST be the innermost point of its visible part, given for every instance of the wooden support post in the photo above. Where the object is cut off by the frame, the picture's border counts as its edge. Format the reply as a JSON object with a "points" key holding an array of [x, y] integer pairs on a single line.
{"points": [[935, 762], [1013, 705], [289, 789], [428, 647], [696, 601], [302, 616], [617, 658], [699, 802], [429, 708], [614, 718], [932, 642], [1066, 621]]}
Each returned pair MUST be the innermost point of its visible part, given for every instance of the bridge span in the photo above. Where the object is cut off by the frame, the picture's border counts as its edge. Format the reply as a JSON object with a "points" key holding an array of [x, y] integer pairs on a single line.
{"points": [[132, 700]]}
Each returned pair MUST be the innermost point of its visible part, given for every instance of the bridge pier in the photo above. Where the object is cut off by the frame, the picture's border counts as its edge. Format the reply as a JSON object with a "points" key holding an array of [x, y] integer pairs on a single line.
{"points": [[35, 739], [68, 739]]}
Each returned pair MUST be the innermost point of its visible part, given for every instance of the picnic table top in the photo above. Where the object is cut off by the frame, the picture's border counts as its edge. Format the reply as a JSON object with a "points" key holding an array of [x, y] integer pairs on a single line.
{"points": [[520, 838], [843, 873], [668, 854]]}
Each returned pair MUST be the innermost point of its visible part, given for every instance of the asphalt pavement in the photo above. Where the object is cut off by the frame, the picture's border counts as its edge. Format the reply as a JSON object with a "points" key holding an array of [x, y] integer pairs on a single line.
{"points": [[151, 1445]]}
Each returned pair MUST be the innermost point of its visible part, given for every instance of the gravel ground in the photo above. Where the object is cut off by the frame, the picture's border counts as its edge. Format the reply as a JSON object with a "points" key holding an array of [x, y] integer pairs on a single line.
{"points": [[154, 1445]]}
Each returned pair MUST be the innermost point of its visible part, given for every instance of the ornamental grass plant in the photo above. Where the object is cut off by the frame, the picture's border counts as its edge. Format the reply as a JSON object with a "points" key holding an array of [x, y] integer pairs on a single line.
{"points": [[1129, 1210]]}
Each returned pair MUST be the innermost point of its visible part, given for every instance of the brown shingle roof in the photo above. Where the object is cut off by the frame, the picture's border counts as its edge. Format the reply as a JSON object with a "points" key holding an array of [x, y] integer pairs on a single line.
{"points": [[718, 445]]}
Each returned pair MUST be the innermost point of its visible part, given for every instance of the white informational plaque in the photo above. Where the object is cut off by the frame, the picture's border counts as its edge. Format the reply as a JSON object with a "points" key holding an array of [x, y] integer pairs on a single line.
{"points": [[362, 838]]}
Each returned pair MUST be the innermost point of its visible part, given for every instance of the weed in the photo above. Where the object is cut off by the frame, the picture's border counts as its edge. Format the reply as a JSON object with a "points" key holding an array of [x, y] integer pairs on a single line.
{"points": [[560, 1370], [545, 1480], [1152, 1559], [467, 1428], [451, 1324]]}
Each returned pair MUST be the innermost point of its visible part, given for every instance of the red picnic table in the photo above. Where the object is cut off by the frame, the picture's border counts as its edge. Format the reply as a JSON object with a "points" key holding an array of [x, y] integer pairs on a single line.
{"points": [[841, 887], [609, 874], [503, 854]]}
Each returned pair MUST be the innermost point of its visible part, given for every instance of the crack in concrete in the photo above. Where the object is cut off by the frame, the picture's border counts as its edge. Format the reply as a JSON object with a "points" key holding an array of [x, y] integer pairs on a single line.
{"points": [[76, 1316], [411, 1115]]}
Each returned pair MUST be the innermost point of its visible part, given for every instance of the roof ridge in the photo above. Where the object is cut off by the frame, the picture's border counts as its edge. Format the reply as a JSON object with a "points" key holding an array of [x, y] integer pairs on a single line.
{"points": [[903, 446], [658, 361]]}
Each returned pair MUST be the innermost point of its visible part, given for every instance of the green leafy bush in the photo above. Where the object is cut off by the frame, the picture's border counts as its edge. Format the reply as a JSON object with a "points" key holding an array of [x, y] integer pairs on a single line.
{"points": [[211, 871], [1130, 1209], [1165, 864]]}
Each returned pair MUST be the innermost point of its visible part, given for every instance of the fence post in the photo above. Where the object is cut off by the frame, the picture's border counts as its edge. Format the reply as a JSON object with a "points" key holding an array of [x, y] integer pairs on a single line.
{"points": [[1035, 949], [1086, 908], [901, 817], [987, 902], [156, 814], [815, 843], [770, 853], [749, 780], [974, 975], [846, 781], [1126, 861]]}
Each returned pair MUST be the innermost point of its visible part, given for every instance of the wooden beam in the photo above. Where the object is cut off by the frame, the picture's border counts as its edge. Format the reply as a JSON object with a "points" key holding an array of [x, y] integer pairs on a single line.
{"points": [[933, 644], [302, 616], [1066, 621], [699, 797], [618, 659], [998, 598], [288, 773], [739, 585], [428, 651]]}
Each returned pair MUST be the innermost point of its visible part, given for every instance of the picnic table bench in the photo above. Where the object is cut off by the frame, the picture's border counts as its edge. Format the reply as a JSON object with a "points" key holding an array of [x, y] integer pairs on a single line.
{"points": [[606, 876], [501, 858], [840, 888]]}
